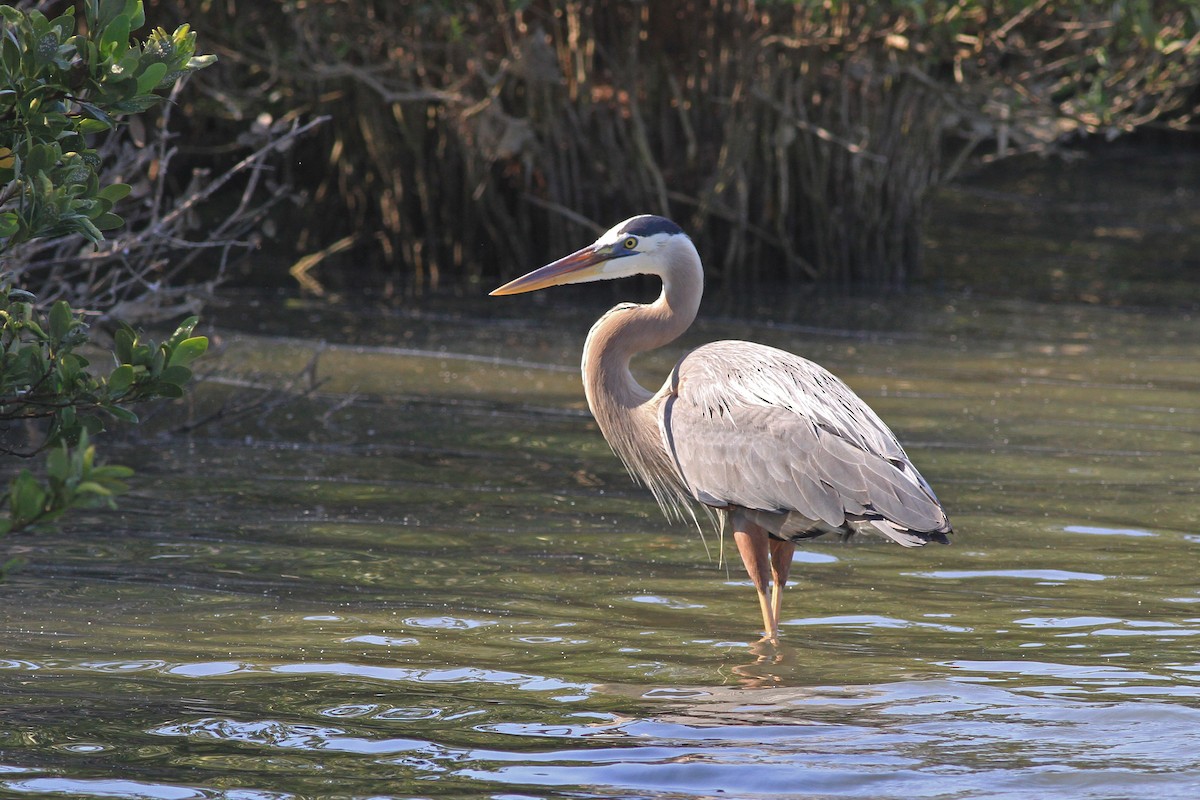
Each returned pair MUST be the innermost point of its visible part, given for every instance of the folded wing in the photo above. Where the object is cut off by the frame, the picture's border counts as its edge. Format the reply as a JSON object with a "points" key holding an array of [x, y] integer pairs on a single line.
{"points": [[765, 430]]}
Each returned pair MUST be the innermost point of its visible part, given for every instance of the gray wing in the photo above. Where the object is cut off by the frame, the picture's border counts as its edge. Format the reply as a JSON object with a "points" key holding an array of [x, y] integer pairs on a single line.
{"points": [[756, 427]]}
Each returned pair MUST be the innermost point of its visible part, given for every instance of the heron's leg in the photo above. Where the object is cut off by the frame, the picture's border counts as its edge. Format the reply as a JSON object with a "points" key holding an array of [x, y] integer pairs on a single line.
{"points": [[781, 564], [752, 545]]}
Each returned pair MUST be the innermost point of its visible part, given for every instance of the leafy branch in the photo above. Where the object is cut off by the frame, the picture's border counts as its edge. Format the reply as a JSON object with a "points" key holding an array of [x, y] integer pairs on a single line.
{"points": [[64, 84]]}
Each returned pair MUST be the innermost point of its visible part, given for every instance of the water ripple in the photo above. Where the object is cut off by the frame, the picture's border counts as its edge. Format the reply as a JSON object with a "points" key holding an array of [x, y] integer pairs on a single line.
{"points": [[134, 790], [1041, 575], [665, 602], [480, 675], [1080, 673], [383, 641], [874, 621], [298, 736], [447, 623], [1096, 531], [104, 788], [209, 669], [1065, 622], [1109, 626], [122, 666]]}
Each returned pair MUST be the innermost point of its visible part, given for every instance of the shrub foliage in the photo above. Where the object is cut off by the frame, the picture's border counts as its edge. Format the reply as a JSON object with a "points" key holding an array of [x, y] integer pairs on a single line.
{"points": [[65, 82]]}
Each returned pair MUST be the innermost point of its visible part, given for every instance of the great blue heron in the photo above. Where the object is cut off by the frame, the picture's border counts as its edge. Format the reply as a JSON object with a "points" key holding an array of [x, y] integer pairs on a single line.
{"points": [[771, 441]]}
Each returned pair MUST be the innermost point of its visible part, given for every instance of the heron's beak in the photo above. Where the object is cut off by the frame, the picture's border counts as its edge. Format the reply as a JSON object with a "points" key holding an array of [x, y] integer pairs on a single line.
{"points": [[580, 266]]}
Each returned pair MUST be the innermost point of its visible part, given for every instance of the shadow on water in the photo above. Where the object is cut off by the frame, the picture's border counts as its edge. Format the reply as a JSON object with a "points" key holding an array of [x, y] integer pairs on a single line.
{"points": [[425, 575]]}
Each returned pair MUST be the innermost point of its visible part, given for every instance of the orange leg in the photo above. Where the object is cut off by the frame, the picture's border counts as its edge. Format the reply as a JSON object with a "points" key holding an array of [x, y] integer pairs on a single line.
{"points": [[752, 543], [781, 565]]}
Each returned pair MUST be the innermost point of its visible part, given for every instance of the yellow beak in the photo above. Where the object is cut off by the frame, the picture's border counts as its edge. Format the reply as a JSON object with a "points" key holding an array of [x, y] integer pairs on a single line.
{"points": [[578, 267]]}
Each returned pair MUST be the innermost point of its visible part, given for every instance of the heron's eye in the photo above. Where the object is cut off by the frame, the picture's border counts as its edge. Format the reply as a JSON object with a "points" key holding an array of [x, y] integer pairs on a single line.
{"points": [[630, 243]]}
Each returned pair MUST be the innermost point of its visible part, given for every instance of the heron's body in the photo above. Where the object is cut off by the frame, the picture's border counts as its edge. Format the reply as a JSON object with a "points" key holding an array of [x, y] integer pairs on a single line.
{"points": [[775, 442]]}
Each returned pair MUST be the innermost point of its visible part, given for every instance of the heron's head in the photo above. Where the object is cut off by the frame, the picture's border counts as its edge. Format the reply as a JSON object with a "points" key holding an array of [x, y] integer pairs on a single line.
{"points": [[640, 245]]}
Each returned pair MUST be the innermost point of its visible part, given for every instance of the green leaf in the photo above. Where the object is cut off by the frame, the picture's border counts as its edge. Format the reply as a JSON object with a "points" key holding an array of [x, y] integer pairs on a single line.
{"points": [[112, 472], [120, 380], [46, 48], [141, 356], [36, 329], [9, 224], [107, 222], [89, 230], [114, 192], [124, 338], [182, 332], [27, 498], [87, 453], [168, 390], [188, 351], [157, 362], [116, 35], [60, 320], [150, 77], [90, 126], [121, 413], [109, 9], [97, 114], [91, 487], [58, 466], [42, 157], [200, 62], [176, 374]]}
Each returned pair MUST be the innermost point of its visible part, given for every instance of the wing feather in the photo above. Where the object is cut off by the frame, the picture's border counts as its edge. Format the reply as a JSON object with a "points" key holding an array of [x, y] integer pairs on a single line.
{"points": [[758, 428]]}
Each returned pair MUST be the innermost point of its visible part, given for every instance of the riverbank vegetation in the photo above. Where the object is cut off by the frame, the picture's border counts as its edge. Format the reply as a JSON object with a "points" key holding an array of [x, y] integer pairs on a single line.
{"points": [[798, 140]]}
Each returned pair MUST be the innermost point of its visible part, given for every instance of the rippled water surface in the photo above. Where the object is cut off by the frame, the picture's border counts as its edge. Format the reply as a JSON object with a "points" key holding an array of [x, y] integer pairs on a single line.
{"points": [[387, 554], [428, 577]]}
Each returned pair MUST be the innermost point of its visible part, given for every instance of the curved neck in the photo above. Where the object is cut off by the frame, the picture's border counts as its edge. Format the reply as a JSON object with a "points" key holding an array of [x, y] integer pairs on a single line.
{"points": [[625, 411], [630, 329]]}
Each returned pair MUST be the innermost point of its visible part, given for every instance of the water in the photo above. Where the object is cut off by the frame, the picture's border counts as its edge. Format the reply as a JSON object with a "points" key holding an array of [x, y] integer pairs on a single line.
{"points": [[428, 577], [397, 559]]}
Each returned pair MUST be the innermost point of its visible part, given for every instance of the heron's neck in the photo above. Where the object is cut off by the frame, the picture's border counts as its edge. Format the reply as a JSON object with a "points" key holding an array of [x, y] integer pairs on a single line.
{"points": [[625, 411], [630, 329]]}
